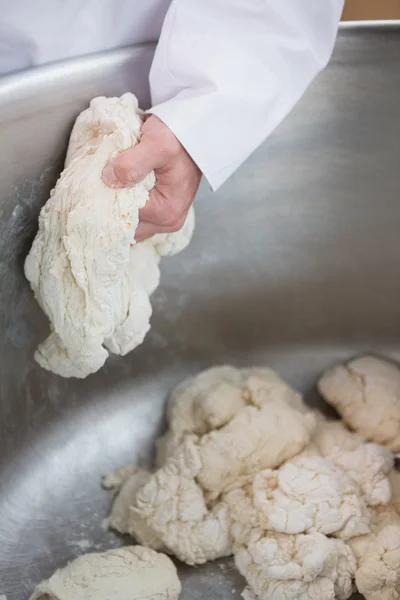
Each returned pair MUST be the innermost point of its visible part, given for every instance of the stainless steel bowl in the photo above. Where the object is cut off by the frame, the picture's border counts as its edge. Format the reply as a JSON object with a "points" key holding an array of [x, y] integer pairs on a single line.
{"points": [[295, 264]]}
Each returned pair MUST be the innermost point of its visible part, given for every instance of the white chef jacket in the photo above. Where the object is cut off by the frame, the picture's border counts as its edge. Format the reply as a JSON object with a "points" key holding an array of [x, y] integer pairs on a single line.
{"points": [[225, 72]]}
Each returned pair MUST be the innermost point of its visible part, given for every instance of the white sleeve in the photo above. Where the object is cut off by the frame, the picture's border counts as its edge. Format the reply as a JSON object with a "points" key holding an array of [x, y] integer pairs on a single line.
{"points": [[226, 72]]}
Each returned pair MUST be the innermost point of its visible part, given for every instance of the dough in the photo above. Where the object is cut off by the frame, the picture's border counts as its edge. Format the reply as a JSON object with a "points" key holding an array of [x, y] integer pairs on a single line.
{"points": [[297, 567], [122, 518], [308, 495], [366, 393], [132, 573], [212, 399], [93, 285], [255, 439], [167, 511]]}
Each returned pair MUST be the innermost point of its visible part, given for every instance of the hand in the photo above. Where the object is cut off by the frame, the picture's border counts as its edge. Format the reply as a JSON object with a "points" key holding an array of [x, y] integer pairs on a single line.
{"points": [[177, 178]]}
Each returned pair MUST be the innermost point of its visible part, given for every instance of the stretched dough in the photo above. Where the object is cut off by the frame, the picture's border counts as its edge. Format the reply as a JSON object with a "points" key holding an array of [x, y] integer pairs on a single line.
{"points": [[86, 274]]}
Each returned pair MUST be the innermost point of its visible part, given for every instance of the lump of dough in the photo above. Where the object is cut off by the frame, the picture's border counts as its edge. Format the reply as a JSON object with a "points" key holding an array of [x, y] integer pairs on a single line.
{"points": [[199, 405], [263, 385], [122, 518], [310, 495], [211, 399], [92, 285], [369, 465], [172, 505], [382, 516], [245, 517], [378, 576], [332, 435], [255, 439], [378, 555], [297, 567], [132, 573], [366, 393]]}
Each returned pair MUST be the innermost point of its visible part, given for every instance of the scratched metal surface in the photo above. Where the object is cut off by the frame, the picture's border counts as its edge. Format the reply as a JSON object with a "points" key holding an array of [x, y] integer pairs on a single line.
{"points": [[295, 264]]}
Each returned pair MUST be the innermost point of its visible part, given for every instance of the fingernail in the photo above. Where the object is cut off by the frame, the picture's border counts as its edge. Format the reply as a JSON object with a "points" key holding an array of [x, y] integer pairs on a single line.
{"points": [[109, 176]]}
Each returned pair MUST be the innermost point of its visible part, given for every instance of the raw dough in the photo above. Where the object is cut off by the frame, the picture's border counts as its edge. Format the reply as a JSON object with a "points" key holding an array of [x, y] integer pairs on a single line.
{"points": [[132, 573], [366, 393], [378, 575], [122, 518], [334, 435], [297, 567], [169, 511], [255, 439], [93, 285], [211, 399], [310, 495]]}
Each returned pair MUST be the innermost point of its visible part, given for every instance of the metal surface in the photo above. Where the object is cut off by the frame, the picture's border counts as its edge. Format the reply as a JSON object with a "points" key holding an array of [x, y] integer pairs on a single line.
{"points": [[295, 264]]}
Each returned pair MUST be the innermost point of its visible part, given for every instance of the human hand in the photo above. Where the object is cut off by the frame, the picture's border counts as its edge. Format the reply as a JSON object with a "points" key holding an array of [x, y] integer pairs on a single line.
{"points": [[177, 178]]}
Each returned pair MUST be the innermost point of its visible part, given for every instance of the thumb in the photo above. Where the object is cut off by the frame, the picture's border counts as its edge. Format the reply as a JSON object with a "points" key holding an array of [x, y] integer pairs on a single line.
{"points": [[131, 166]]}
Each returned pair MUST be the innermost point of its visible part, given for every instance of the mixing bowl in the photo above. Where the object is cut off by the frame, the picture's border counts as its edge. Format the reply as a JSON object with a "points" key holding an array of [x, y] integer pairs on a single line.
{"points": [[294, 264]]}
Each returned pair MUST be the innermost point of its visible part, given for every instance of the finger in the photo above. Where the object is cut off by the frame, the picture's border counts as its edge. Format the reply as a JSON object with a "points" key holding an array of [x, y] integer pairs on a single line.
{"points": [[146, 229], [131, 166], [163, 211]]}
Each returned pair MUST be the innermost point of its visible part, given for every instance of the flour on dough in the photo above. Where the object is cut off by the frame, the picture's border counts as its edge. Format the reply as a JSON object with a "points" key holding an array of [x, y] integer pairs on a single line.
{"points": [[132, 573], [89, 278]]}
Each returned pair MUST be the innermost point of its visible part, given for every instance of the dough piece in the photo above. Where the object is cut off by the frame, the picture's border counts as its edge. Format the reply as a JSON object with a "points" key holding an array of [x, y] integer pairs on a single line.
{"points": [[263, 385], [132, 573], [378, 576], [378, 555], [245, 517], [172, 506], [382, 517], [199, 405], [93, 286], [332, 435], [253, 440], [310, 495], [297, 567], [123, 519], [369, 465], [366, 393], [213, 398]]}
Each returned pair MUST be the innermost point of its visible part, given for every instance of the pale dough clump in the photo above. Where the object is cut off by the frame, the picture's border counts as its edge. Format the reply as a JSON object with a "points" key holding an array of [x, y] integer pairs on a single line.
{"points": [[297, 567], [93, 285], [211, 400], [133, 573], [366, 393]]}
